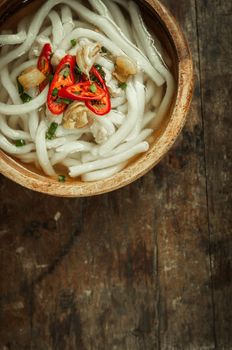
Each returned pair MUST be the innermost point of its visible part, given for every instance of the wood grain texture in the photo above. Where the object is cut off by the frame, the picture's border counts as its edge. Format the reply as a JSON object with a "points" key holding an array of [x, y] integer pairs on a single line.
{"points": [[215, 51], [147, 267]]}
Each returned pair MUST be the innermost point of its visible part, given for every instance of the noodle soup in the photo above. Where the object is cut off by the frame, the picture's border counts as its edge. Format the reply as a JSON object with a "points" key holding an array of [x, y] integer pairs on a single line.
{"points": [[83, 88]]}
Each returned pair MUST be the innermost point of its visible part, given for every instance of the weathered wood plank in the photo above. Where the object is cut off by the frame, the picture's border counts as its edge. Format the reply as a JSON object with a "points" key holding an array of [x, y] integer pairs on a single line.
{"points": [[214, 27], [185, 302]]}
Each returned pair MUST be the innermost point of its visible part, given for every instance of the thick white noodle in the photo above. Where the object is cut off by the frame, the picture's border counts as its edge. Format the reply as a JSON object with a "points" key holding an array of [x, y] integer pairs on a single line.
{"points": [[116, 117], [128, 145], [10, 87], [8, 147], [107, 124], [20, 68], [75, 146], [13, 39], [138, 42], [58, 158], [104, 62], [61, 131], [31, 106], [90, 34], [119, 19], [68, 162], [155, 59], [151, 89], [33, 123], [123, 108], [67, 19], [108, 162], [117, 101], [148, 117], [12, 133], [104, 173], [127, 126], [80, 24], [157, 98], [28, 158], [57, 29], [41, 150], [100, 7], [140, 92], [60, 141], [47, 32], [117, 37]]}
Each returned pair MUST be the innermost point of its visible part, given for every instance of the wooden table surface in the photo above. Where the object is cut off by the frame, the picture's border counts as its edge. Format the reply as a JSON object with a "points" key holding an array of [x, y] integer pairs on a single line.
{"points": [[148, 266]]}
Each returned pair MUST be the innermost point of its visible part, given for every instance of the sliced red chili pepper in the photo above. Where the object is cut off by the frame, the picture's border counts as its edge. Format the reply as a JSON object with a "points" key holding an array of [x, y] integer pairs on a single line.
{"points": [[103, 106], [96, 73], [83, 91], [100, 107], [44, 64], [64, 77]]}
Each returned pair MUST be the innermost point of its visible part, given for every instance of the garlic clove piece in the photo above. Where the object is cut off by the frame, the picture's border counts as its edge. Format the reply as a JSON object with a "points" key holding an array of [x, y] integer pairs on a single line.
{"points": [[76, 116], [31, 78]]}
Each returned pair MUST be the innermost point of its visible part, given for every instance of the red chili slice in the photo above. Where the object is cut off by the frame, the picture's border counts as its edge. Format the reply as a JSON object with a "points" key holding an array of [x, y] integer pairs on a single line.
{"points": [[44, 64], [64, 77], [83, 91], [102, 106]]}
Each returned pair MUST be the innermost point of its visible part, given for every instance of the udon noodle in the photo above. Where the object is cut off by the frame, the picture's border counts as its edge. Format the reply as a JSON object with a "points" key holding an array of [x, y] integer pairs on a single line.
{"points": [[95, 137]]}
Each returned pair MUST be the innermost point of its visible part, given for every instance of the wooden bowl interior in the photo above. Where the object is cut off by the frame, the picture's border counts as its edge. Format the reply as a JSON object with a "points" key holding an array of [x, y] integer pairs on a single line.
{"points": [[10, 14]]}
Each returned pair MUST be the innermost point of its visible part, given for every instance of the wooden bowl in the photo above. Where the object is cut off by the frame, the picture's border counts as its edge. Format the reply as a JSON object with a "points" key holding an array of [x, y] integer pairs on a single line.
{"points": [[159, 19]]}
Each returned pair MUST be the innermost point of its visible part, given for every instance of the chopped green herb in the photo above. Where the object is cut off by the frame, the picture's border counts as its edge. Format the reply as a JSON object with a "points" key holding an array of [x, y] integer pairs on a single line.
{"points": [[20, 143], [73, 42], [51, 131], [20, 87], [55, 92], [66, 73], [123, 86], [100, 70], [104, 49], [51, 76], [93, 88], [64, 100], [78, 70], [76, 92], [61, 178], [23, 95]]}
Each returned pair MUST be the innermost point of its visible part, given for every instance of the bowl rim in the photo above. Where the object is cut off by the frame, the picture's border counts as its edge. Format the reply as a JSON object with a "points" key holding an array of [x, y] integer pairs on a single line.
{"points": [[41, 183]]}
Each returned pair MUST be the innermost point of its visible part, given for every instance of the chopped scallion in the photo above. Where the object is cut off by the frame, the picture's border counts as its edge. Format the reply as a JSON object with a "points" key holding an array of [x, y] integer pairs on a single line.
{"points": [[93, 88], [66, 73], [61, 178], [20, 143], [64, 100], [25, 97], [104, 49], [50, 134], [123, 86], [55, 92], [20, 87], [78, 70], [73, 42], [100, 70], [51, 76]]}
